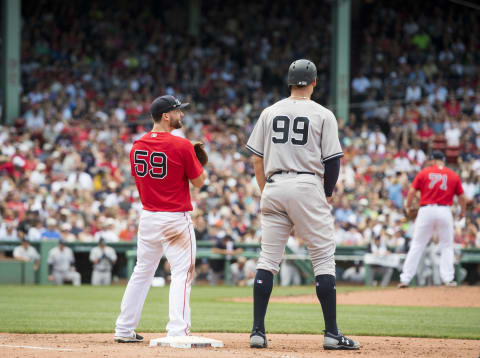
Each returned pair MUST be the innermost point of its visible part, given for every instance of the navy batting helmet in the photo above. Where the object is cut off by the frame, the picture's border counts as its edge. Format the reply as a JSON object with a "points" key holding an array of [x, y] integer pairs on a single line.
{"points": [[301, 73]]}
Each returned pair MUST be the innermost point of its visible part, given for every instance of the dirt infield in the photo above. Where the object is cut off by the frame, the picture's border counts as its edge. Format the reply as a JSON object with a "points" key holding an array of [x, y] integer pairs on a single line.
{"points": [[236, 345], [464, 296], [280, 345]]}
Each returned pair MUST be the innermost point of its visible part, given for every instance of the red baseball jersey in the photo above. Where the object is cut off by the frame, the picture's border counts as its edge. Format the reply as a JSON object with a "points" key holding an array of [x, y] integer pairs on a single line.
{"points": [[162, 165], [437, 185]]}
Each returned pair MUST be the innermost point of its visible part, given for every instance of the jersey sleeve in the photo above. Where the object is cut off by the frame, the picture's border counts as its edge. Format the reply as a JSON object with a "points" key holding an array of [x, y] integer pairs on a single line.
{"points": [[193, 168], [417, 182], [329, 142], [256, 141]]}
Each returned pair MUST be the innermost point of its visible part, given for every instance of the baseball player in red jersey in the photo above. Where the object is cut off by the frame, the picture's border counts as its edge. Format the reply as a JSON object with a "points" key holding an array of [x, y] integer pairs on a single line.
{"points": [[162, 165], [437, 185]]}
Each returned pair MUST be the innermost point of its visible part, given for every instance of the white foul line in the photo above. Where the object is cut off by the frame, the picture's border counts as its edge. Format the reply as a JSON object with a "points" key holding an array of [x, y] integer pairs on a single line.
{"points": [[44, 348]]}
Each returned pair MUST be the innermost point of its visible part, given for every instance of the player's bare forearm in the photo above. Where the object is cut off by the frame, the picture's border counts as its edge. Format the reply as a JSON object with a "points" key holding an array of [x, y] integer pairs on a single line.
{"points": [[463, 205], [259, 171], [198, 181], [410, 196]]}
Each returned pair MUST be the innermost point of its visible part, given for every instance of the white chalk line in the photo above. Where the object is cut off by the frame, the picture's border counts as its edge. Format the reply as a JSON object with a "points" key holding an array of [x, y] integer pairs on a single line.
{"points": [[42, 348]]}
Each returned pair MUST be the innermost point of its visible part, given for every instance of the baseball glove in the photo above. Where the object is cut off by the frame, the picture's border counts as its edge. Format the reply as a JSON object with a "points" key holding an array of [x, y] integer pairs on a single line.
{"points": [[201, 153], [412, 214]]}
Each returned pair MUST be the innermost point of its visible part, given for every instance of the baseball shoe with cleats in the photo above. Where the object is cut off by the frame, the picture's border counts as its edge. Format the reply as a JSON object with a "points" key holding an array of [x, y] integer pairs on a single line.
{"points": [[258, 339], [402, 285], [451, 284], [133, 338], [339, 341]]}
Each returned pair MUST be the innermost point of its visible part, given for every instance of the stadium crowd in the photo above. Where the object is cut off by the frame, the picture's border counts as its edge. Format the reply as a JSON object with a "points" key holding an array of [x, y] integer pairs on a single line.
{"points": [[90, 74]]}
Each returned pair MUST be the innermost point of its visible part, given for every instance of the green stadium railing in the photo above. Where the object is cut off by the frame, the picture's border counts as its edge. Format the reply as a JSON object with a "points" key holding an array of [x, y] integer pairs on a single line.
{"points": [[250, 250]]}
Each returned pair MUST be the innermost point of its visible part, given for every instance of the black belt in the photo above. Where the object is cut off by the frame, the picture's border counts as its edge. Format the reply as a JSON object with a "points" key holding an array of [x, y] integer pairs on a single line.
{"points": [[432, 205], [269, 179]]}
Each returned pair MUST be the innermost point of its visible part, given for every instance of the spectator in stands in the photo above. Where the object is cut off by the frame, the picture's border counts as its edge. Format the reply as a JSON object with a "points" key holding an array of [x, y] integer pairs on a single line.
{"points": [[65, 232], [35, 232], [243, 271], [224, 246], [8, 231], [27, 253], [103, 258], [51, 232], [107, 232], [25, 225], [61, 264]]}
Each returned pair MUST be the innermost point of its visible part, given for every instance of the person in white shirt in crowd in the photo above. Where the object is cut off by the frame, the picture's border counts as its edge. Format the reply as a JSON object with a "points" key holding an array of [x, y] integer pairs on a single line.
{"points": [[402, 164], [103, 258], [27, 253], [65, 232], [8, 231], [79, 179], [243, 271], [417, 155], [107, 232], [35, 232], [452, 135], [414, 92], [360, 84], [61, 265], [38, 176]]}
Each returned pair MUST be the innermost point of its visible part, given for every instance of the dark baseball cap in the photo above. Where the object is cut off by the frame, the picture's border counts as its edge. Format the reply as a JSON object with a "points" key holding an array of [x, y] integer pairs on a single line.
{"points": [[165, 104], [437, 155]]}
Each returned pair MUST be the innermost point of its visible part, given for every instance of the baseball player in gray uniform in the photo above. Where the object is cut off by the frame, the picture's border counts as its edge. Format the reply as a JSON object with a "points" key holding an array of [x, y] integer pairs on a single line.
{"points": [[297, 161], [103, 258], [61, 265]]}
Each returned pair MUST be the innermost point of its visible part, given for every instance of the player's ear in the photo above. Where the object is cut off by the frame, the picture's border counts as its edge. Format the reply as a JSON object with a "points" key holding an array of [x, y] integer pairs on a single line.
{"points": [[314, 83]]}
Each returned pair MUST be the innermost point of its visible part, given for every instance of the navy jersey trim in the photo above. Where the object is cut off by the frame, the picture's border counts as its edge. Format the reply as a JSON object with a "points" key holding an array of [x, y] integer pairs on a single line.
{"points": [[254, 151], [337, 155]]}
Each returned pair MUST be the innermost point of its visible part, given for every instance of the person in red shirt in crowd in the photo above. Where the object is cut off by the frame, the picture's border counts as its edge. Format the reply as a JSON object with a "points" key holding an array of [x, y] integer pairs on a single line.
{"points": [[437, 185], [452, 106], [163, 165], [425, 135]]}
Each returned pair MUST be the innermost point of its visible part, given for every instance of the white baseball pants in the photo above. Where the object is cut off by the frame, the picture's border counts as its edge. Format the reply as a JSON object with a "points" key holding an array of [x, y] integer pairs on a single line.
{"points": [[172, 234], [430, 219]]}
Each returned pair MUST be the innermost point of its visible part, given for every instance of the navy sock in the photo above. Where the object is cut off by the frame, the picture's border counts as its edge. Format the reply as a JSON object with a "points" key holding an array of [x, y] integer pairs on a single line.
{"points": [[262, 288], [327, 295]]}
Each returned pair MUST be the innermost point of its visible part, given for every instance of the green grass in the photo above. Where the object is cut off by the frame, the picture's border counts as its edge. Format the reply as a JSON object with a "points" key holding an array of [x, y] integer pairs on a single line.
{"points": [[48, 309]]}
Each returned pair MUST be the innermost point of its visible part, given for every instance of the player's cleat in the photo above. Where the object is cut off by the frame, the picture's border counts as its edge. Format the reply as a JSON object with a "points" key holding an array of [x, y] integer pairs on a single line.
{"points": [[134, 338], [451, 284], [402, 285], [258, 339], [339, 341]]}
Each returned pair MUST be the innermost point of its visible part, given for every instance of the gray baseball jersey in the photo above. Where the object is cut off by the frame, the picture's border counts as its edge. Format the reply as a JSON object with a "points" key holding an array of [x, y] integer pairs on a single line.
{"points": [[61, 260], [105, 263], [296, 135], [30, 254]]}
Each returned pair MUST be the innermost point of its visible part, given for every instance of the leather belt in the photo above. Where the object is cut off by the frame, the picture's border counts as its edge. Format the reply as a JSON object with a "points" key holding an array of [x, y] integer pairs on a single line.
{"points": [[269, 179]]}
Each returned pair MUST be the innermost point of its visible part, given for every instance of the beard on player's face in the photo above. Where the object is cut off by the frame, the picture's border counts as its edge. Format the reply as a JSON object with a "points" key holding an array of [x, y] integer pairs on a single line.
{"points": [[176, 121]]}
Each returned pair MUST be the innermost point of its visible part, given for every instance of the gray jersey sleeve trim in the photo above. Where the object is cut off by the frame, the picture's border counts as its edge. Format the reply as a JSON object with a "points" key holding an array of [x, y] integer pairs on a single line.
{"points": [[337, 155], [254, 151]]}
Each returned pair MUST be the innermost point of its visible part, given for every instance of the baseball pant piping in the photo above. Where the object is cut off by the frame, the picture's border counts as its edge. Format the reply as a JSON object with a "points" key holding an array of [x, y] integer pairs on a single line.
{"points": [[171, 234], [430, 218]]}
